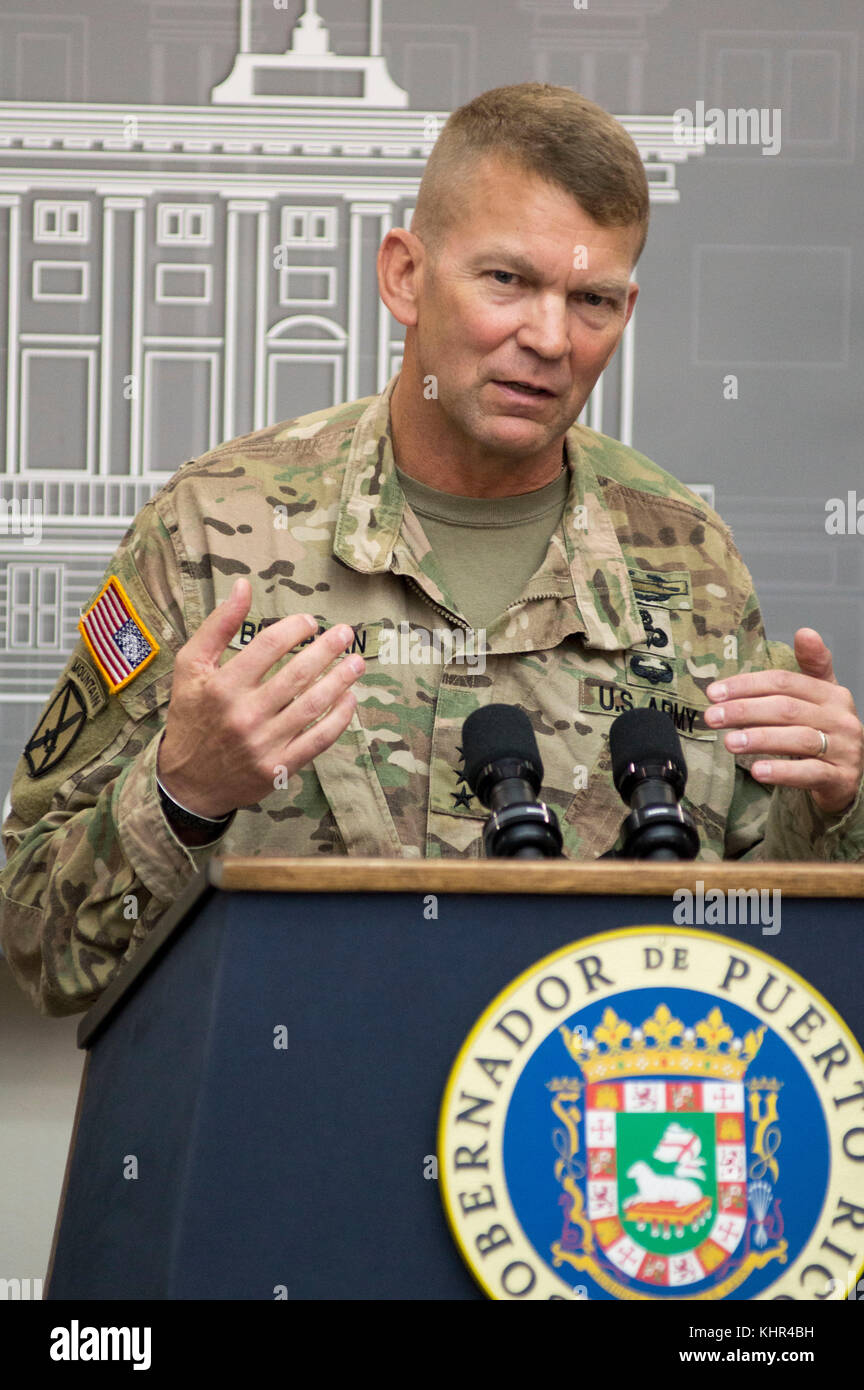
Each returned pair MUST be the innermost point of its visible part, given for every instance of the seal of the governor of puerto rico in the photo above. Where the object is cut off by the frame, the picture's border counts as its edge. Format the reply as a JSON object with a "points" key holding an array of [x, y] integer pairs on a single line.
{"points": [[657, 1113]]}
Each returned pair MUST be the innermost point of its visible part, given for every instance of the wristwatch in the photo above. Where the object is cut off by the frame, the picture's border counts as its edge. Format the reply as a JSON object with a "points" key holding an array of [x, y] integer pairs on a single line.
{"points": [[184, 819]]}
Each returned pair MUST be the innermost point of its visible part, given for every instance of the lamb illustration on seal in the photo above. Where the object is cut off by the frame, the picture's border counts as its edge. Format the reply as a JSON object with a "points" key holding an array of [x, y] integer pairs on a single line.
{"points": [[670, 1202], [661, 1187]]}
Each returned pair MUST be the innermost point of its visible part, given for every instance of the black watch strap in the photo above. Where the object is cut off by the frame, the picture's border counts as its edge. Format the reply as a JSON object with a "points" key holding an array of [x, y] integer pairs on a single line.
{"points": [[187, 820]]}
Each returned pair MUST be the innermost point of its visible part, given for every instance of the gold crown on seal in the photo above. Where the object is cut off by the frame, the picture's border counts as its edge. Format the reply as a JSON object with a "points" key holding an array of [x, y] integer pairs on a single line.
{"points": [[663, 1046]]}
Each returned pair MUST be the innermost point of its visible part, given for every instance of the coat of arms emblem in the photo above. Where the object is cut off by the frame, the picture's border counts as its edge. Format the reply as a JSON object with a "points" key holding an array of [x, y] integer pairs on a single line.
{"points": [[655, 1151], [657, 1113]]}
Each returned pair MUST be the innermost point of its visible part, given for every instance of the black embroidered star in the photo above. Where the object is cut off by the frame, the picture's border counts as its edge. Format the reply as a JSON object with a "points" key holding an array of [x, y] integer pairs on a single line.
{"points": [[462, 798]]}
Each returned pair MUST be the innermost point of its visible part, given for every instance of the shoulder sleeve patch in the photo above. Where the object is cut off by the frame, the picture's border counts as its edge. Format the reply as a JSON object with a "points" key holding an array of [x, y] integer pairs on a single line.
{"points": [[90, 687], [119, 642], [57, 730]]}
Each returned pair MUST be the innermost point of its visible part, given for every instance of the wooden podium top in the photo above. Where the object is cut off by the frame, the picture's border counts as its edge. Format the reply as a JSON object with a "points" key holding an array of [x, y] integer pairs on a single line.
{"points": [[630, 877]]}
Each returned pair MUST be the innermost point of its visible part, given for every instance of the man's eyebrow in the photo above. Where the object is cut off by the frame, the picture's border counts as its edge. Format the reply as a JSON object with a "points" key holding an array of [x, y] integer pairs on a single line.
{"points": [[614, 288], [528, 270], [513, 258]]}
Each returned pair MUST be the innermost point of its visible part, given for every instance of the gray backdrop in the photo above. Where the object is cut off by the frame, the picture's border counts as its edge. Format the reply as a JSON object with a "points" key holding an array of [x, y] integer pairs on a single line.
{"points": [[146, 313]]}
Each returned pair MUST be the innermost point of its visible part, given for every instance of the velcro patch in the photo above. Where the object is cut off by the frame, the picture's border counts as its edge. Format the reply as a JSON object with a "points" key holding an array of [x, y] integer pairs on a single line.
{"points": [[365, 643], [116, 636], [89, 685], [658, 631], [652, 672], [57, 730], [603, 697], [671, 588]]}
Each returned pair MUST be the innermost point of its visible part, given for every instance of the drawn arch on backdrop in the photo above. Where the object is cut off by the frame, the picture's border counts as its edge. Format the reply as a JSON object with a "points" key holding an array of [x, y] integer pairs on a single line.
{"points": [[305, 361]]}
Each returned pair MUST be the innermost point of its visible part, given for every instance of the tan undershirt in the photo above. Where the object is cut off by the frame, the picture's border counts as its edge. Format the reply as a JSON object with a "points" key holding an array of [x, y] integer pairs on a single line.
{"points": [[488, 547]]}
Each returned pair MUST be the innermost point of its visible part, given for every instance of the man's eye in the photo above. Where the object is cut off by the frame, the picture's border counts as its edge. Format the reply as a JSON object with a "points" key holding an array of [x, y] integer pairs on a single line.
{"points": [[595, 300], [509, 274]]}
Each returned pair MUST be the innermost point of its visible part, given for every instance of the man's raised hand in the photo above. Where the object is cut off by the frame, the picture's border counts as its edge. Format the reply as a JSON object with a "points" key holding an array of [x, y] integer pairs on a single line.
{"points": [[783, 715], [228, 728]]}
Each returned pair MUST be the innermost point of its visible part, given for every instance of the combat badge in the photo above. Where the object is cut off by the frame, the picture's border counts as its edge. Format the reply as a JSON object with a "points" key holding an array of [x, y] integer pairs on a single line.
{"points": [[669, 588], [652, 671], [624, 1122], [116, 636], [57, 730]]}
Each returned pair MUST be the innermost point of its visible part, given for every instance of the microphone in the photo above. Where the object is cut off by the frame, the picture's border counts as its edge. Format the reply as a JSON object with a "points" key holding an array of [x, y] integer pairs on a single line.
{"points": [[650, 774], [504, 770]]}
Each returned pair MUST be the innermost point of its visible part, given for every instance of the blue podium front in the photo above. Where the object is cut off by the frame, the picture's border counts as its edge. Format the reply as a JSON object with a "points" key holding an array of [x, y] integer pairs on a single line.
{"points": [[260, 1103]]}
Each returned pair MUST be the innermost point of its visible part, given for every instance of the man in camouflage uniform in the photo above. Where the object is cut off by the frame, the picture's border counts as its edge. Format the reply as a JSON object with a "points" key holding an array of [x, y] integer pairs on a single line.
{"points": [[638, 598]]}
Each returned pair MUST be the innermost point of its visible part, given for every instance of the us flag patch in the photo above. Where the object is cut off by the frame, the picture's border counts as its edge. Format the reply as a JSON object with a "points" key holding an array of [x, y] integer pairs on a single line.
{"points": [[118, 639]]}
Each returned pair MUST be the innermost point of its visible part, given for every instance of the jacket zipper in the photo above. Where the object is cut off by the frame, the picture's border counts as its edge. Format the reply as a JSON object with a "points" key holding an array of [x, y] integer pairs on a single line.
{"points": [[466, 627], [446, 614]]}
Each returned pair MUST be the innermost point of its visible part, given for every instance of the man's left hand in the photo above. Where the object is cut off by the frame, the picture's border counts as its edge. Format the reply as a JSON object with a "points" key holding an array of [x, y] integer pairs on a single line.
{"points": [[782, 714]]}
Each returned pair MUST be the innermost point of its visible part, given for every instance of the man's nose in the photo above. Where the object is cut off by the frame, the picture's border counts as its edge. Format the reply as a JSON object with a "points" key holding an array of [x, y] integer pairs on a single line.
{"points": [[544, 329]]}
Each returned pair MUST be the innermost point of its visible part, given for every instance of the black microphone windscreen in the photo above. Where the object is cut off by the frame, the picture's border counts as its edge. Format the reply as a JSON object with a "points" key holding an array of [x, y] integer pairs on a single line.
{"points": [[643, 736], [498, 731]]}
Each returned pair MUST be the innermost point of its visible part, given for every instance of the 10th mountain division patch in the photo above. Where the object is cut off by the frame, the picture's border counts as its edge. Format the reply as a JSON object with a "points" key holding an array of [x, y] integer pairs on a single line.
{"points": [[625, 1122]]}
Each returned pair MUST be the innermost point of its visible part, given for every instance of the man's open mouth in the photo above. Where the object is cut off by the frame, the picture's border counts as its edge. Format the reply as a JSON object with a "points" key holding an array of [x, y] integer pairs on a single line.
{"points": [[524, 386]]}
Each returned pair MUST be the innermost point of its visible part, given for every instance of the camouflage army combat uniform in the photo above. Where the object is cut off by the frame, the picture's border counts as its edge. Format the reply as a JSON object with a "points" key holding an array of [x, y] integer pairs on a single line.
{"points": [[642, 600]]}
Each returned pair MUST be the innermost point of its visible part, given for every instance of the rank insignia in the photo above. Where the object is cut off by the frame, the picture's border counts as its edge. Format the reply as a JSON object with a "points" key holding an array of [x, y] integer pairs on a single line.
{"points": [[116, 636], [462, 796], [57, 730]]}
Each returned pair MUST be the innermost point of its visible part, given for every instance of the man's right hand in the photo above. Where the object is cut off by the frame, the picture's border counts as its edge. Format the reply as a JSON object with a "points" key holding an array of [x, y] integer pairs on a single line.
{"points": [[228, 730]]}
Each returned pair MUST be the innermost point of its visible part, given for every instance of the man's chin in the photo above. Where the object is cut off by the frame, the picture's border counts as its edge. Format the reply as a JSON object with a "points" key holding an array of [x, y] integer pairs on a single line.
{"points": [[515, 435]]}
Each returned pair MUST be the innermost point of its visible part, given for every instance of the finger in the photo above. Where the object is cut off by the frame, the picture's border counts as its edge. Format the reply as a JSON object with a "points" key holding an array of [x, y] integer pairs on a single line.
{"points": [[250, 665], [812, 655], [317, 698], [314, 740], [209, 641], [803, 772], [779, 743], [302, 670], [774, 681], [768, 709], [830, 787]]}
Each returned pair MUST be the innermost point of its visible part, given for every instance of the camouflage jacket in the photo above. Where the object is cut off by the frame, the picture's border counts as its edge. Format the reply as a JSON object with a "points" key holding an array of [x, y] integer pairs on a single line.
{"points": [[642, 600]]}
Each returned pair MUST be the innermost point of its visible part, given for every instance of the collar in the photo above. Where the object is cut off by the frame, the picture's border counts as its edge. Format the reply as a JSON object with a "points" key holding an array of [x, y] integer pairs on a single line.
{"points": [[584, 565]]}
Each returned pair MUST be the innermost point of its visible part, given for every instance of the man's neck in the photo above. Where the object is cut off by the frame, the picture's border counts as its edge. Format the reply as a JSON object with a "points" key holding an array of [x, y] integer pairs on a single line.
{"points": [[425, 450]]}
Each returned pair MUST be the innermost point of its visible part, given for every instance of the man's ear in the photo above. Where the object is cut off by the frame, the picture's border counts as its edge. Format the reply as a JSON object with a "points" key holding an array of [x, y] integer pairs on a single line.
{"points": [[400, 273]]}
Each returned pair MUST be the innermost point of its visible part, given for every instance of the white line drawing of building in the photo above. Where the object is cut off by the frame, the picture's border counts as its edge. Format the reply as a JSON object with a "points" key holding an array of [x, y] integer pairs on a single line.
{"points": [[179, 275]]}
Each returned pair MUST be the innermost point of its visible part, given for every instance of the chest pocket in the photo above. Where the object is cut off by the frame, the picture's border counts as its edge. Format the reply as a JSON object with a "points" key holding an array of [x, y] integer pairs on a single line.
{"points": [[710, 767]]}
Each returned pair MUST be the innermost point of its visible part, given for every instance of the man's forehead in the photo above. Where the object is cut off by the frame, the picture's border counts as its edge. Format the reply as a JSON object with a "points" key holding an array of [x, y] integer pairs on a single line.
{"points": [[496, 216], [493, 174]]}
